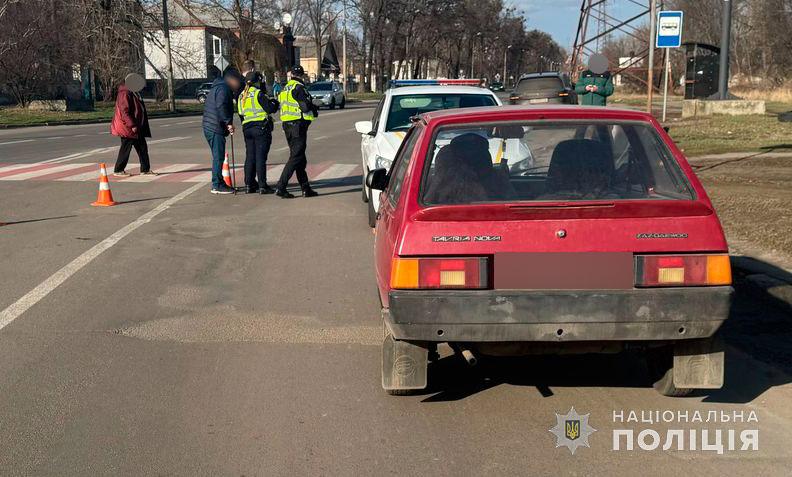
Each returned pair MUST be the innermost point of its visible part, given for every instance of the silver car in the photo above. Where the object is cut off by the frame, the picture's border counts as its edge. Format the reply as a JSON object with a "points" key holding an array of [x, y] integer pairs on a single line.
{"points": [[327, 94]]}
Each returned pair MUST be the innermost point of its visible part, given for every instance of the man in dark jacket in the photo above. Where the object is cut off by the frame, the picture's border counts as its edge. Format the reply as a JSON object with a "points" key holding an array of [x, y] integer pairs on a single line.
{"points": [[297, 111], [130, 123], [218, 122]]}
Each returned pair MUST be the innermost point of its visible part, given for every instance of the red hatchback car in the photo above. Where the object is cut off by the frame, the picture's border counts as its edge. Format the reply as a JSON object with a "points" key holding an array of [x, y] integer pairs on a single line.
{"points": [[527, 230]]}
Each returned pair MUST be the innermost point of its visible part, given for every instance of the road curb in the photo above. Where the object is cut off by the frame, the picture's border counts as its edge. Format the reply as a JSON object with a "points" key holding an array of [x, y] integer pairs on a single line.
{"points": [[96, 121]]}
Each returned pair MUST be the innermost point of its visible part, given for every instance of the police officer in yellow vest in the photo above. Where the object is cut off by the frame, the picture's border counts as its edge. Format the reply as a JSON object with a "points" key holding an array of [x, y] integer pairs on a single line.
{"points": [[296, 112], [255, 109]]}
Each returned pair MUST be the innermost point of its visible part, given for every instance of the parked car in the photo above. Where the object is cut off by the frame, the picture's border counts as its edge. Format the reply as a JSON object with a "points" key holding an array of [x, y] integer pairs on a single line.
{"points": [[594, 236], [328, 94], [540, 88], [382, 136], [202, 91]]}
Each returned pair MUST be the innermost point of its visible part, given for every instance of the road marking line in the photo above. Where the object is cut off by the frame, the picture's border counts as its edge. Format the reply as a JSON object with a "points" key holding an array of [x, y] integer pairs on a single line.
{"points": [[41, 172], [80, 135], [165, 170], [14, 167], [336, 171], [53, 137], [281, 149], [35, 295], [106, 132], [79, 155], [16, 142], [320, 138], [94, 175], [168, 139]]}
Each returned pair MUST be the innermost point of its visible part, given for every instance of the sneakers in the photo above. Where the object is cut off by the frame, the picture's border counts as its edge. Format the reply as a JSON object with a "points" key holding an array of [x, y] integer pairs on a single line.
{"points": [[149, 173], [222, 189], [121, 174]]}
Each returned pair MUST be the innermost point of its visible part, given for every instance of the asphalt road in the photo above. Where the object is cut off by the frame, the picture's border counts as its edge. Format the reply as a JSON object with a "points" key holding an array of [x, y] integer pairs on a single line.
{"points": [[192, 334]]}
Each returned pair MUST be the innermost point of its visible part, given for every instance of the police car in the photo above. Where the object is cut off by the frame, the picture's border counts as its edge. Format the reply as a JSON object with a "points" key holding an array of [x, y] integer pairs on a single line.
{"points": [[382, 136]]}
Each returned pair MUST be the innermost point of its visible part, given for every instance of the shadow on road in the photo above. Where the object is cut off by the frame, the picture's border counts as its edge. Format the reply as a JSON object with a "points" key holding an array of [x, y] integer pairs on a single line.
{"points": [[759, 330], [29, 221]]}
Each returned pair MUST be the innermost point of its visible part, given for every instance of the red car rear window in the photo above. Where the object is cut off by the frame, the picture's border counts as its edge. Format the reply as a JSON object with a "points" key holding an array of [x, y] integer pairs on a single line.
{"points": [[551, 161]]}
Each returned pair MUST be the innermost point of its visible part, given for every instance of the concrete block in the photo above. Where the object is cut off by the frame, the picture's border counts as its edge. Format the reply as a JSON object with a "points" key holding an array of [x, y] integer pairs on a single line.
{"points": [[733, 107]]}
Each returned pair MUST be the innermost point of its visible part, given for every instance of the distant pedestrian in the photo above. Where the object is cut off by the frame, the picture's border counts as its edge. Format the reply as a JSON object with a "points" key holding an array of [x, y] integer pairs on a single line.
{"points": [[596, 83], [256, 107], [130, 123], [277, 87], [218, 122]]}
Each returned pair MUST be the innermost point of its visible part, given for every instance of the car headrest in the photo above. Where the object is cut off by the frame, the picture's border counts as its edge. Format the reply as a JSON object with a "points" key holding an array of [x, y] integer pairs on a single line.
{"points": [[579, 164]]}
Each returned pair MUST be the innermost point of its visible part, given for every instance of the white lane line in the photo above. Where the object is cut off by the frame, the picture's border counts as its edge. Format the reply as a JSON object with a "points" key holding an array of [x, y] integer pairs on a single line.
{"points": [[106, 132], [16, 166], [285, 148], [336, 171], [275, 171], [53, 137], [79, 155], [185, 122], [165, 170], [165, 125], [168, 139], [55, 280], [42, 172], [80, 135], [320, 138], [16, 142]]}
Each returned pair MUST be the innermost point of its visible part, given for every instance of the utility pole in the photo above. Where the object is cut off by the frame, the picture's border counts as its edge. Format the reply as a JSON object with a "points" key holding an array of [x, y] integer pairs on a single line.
{"points": [[650, 60], [168, 61], [505, 53], [725, 43], [344, 51]]}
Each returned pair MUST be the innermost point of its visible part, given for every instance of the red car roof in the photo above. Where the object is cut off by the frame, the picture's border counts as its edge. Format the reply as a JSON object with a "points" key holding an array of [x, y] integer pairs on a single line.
{"points": [[505, 113]]}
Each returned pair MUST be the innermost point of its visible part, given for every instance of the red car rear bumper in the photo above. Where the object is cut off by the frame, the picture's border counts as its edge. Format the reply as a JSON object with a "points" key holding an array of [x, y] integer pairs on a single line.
{"points": [[558, 316]]}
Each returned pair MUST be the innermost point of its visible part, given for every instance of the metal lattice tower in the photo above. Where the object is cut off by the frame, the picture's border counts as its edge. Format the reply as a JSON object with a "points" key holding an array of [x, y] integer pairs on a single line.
{"points": [[597, 23]]}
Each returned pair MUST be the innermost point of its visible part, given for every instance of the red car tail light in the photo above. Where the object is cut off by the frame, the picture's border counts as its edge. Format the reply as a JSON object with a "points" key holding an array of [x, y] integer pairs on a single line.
{"points": [[682, 270], [435, 273]]}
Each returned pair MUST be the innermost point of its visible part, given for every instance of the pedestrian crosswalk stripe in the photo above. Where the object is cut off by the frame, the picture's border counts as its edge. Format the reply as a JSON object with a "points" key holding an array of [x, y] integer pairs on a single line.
{"points": [[163, 171], [178, 172], [41, 172]]}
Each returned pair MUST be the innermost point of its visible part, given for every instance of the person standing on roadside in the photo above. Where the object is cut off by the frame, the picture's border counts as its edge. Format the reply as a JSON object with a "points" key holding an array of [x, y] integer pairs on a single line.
{"points": [[595, 83], [276, 85], [218, 122], [130, 123], [255, 108], [297, 111]]}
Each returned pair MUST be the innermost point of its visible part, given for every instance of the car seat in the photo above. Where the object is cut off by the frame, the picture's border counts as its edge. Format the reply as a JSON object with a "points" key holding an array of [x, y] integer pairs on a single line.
{"points": [[578, 168]]}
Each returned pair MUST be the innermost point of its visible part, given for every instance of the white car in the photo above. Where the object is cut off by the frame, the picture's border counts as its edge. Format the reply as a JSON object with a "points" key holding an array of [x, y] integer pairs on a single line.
{"points": [[382, 136]]}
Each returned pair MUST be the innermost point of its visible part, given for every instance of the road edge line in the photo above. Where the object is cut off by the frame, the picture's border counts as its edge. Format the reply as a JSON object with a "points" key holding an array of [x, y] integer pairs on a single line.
{"points": [[16, 309]]}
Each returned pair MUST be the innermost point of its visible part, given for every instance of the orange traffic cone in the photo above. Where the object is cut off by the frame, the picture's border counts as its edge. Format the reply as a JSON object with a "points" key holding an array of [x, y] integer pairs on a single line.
{"points": [[226, 172], [105, 197]]}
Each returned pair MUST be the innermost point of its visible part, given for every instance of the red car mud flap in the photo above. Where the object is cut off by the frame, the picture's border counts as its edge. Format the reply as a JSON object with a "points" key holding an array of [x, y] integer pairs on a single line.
{"points": [[404, 365], [698, 364]]}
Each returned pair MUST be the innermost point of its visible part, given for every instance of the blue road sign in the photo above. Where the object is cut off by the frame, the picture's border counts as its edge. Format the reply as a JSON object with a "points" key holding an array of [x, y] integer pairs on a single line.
{"points": [[669, 29]]}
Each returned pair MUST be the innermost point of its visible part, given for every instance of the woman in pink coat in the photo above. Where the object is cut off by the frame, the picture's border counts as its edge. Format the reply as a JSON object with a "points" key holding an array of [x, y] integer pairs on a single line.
{"points": [[130, 123]]}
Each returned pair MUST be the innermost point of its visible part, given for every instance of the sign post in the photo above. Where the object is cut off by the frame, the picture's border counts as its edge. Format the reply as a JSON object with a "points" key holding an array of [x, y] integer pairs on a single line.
{"points": [[669, 35]]}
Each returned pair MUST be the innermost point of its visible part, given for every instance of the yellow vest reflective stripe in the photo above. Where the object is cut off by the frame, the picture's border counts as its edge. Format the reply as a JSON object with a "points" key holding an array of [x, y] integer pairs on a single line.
{"points": [[249, 107], [289, 108]]}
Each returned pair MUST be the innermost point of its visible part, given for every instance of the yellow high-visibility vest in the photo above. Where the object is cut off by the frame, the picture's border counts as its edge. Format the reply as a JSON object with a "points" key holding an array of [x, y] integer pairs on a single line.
{"points": [[289, 108], [249, 107]]}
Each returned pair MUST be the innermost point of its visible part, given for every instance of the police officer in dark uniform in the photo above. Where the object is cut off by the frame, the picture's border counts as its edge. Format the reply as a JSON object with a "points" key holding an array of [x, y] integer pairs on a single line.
{"points": [[297, 111], [255, 108]]}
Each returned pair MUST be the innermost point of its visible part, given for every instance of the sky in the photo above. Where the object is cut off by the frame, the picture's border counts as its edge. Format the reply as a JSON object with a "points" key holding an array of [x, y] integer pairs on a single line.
{"points": [[560, 18]]}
